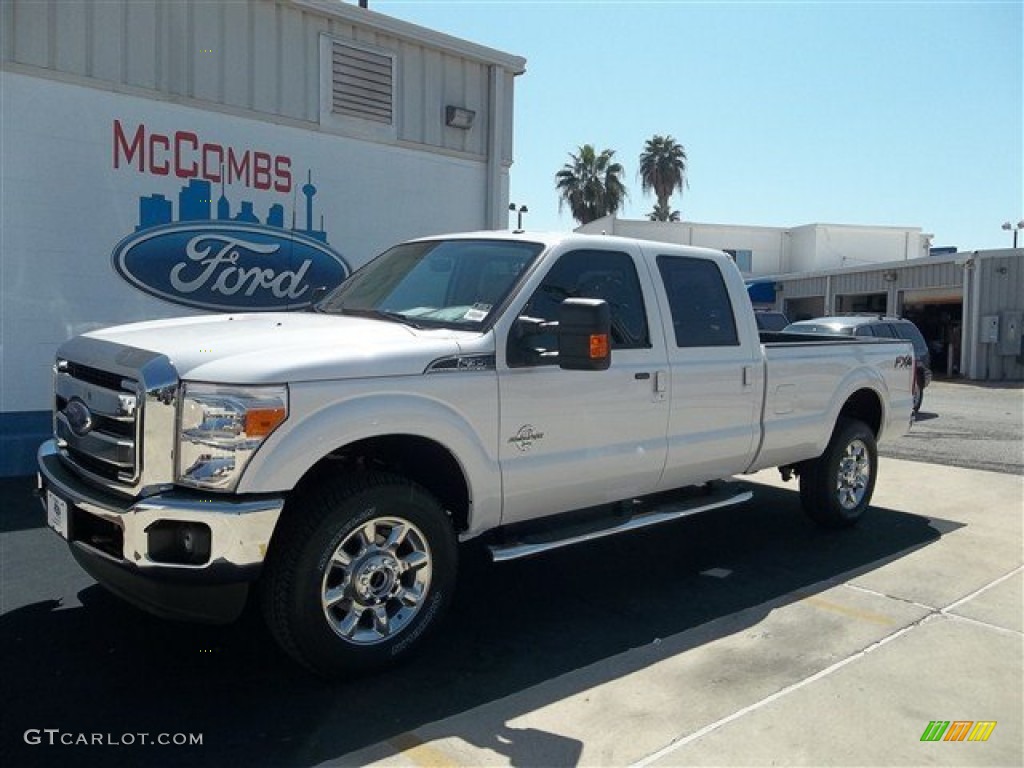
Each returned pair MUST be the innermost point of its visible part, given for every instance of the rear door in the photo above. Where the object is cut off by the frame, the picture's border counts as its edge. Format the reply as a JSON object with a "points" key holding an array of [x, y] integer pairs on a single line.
{"points": [[573, 439], [716, 371]]}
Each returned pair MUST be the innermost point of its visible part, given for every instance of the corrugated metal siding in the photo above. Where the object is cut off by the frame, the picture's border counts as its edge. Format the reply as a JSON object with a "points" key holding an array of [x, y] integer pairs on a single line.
{"points": [[909, 276], [803, 287], [859, 282], [1001, 290], [260, 55], [945, 274]]}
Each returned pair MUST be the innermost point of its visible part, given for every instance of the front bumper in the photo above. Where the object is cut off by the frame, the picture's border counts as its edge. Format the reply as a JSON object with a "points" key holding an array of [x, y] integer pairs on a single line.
{"points": [[122, 542]]}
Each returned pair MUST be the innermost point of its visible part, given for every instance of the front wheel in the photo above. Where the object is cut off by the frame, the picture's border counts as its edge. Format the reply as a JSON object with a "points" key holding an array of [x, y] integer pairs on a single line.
{"points": [[362, 569], [836, 488]]}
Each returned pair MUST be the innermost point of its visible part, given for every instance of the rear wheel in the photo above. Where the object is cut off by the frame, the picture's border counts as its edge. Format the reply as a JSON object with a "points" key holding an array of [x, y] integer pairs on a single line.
{"points": [[836, 488], [360, 572]]}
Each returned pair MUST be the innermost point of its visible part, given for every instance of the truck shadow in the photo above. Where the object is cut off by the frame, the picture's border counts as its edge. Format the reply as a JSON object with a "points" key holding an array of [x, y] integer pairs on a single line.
{"points": [[105, 668]]}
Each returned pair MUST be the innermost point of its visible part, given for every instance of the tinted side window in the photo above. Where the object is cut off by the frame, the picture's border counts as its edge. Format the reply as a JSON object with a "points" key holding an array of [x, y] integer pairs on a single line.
{"points": [[592, 274], [885, 331], [864, 330], [701, 310]]}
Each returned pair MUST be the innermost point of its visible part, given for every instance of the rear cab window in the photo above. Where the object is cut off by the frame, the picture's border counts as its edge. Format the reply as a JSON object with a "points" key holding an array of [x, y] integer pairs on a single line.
{"points": [[702, 314]]}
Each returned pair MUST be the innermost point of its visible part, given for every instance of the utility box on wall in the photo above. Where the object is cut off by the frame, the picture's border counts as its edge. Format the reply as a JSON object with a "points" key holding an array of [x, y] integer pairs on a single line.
{"points": [[1009, 339], [988, 333]]}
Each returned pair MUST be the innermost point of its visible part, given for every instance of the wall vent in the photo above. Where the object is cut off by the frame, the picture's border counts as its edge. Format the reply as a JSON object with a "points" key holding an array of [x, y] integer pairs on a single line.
{"points": [[362, 83]]}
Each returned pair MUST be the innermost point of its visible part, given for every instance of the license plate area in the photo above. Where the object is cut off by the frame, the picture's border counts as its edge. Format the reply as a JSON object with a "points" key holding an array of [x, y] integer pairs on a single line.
{"points": [[57, 513]]}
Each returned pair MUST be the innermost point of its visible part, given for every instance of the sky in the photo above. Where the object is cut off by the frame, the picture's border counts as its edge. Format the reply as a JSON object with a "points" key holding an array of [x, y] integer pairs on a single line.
{"points": [[869, 113]]}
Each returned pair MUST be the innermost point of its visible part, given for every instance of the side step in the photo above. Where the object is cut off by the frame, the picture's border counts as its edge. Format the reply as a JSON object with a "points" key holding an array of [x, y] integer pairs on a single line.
{"points": [[662, 513]]}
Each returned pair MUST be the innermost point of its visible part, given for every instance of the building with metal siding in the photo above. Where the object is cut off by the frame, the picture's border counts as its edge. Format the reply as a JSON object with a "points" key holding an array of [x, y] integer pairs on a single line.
{"points": [[321, 127], [969, 306]]}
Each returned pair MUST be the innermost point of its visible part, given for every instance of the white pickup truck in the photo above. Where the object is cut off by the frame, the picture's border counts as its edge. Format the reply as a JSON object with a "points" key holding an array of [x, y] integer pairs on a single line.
{"points": [[539, 390]]}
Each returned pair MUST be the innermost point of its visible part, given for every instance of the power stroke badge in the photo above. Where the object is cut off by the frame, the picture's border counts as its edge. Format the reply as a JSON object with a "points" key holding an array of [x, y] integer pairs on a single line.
{"points": [[526, 437]]}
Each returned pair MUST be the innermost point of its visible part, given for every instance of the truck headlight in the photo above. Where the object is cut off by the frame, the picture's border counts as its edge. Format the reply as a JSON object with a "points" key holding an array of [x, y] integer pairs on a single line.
{"points": [[221, 427]]}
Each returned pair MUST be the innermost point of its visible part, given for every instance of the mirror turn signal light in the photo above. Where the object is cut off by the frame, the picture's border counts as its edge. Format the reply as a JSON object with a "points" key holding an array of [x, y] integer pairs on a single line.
{"points": [[598, 346]]}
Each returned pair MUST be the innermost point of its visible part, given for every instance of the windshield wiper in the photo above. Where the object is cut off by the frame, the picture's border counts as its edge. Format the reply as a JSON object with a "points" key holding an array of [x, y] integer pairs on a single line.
{"points": [[383, 314]]}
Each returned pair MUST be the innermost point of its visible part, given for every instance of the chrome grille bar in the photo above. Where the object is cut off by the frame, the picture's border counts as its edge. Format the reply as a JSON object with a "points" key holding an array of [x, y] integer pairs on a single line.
{"points": [[100, 433]]}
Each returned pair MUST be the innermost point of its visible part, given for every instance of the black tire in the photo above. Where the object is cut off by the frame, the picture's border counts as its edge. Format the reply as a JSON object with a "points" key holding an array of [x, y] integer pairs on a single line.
{"points": [[339, 592], [836, 488]]}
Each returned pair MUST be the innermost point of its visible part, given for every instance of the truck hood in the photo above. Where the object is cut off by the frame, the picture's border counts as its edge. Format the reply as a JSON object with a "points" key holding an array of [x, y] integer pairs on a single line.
{"points": [[275, 347]]}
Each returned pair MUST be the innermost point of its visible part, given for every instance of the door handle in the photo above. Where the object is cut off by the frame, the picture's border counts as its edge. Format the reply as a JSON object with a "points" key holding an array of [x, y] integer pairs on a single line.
{"points": [[642, 376]]}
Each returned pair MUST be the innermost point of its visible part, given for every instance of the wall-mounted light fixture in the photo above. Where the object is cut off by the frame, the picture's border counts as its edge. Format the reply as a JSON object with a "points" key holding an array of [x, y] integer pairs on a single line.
{"points": [[891, 276], [459, 117]]}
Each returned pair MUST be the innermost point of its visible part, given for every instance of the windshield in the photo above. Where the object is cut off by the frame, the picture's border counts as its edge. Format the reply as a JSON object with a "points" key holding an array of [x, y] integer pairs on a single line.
{"points": [[439, 283]]}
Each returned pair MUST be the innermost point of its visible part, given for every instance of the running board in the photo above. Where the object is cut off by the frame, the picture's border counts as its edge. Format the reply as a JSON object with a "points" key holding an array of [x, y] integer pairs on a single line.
{"points": [[534, 545]]}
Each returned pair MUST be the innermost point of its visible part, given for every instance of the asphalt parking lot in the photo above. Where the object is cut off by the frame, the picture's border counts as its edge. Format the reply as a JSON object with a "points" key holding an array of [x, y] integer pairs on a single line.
{"points": [[967, 424], [741, 637]]}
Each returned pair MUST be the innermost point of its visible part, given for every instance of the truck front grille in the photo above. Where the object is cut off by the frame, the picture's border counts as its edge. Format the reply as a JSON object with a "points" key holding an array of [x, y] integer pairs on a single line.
{"points": [[97, 420]]}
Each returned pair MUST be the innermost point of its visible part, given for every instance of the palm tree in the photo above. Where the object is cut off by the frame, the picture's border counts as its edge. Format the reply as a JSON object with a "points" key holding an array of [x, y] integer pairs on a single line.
{"points": [[663, 169], [663, 214], [591, 184]]}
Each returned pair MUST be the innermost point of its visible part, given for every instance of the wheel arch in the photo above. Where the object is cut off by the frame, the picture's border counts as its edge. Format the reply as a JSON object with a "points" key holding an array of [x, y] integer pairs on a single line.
{"points": [[437, 446], [422, 460], [864, 405]]}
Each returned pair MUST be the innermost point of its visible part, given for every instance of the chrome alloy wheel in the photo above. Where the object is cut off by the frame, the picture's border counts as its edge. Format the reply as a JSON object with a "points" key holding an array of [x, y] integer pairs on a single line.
{"points": [[854, 474], [375, 581]]}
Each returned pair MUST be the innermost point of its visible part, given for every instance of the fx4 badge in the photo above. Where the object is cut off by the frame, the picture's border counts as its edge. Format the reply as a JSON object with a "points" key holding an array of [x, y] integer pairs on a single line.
{"points": [[526, 437], [905, 361]]}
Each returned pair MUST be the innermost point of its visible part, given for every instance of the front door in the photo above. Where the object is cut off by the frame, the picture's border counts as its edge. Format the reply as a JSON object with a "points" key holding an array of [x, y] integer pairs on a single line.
{"points": [[572, 439]]}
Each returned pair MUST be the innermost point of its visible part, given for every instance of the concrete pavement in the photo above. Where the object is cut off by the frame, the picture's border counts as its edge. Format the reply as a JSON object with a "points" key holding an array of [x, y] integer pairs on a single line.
{"points": [[846, 672]]}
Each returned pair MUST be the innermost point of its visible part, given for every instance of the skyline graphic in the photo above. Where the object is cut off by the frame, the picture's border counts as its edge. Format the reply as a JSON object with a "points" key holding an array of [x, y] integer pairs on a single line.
{"points": [[195, 203]]}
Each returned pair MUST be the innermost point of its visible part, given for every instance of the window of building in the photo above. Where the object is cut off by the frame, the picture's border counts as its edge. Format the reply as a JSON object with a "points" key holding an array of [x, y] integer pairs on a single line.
{"points": [[701, 311], [744, 259]]}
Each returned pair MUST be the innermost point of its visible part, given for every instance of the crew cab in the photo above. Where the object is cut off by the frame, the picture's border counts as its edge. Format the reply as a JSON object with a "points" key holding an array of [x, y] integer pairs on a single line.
{"points": [[536, 390]]}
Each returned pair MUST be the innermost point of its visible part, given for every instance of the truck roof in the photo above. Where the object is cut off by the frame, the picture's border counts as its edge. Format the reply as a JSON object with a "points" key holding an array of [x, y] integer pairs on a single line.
{"points": [[549, 239]]}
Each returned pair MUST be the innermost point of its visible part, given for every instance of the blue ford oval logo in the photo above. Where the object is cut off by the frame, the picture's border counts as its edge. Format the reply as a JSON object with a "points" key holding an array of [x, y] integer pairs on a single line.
{"points": [[229, 266], [79, 416]]}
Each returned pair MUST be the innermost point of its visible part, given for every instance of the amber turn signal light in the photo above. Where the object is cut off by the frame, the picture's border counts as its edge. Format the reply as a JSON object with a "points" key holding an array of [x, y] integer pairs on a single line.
{"points": [[598, 346], [260, 422]]}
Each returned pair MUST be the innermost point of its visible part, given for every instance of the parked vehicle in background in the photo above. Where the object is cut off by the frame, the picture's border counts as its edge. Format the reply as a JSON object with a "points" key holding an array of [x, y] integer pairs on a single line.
{"points": [[768, 320], [880, 327]]}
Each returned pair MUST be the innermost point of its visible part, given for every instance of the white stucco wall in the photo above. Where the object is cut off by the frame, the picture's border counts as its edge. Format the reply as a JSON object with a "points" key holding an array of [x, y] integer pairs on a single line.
{"points": [[778, 250]]}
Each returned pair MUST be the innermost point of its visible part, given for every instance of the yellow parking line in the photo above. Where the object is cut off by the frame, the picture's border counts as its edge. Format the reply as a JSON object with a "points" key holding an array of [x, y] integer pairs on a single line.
{"points": [[422, 754], [828, 605]]}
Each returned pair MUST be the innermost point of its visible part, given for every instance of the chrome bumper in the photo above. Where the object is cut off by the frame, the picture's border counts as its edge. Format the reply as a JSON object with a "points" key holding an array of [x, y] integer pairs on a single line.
{"points": [[240, 527]]}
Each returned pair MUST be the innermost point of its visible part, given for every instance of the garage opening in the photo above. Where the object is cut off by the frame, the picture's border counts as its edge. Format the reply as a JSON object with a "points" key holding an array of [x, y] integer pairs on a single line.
{"points": [[863, 303], [806, 308], [938, 314]]}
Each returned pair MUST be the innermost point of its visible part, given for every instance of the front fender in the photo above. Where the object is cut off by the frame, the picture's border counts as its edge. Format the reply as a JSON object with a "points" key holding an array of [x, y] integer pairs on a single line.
{"points": [[324, 417]]}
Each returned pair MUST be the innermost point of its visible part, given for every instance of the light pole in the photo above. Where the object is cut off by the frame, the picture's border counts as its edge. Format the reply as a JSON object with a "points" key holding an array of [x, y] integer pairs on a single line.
{"points": [[1015, 228], [520, 210]]}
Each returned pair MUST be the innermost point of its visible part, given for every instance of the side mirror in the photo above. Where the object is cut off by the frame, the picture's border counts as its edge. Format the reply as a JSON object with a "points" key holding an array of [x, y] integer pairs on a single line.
{"points": [[584, 335]]}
